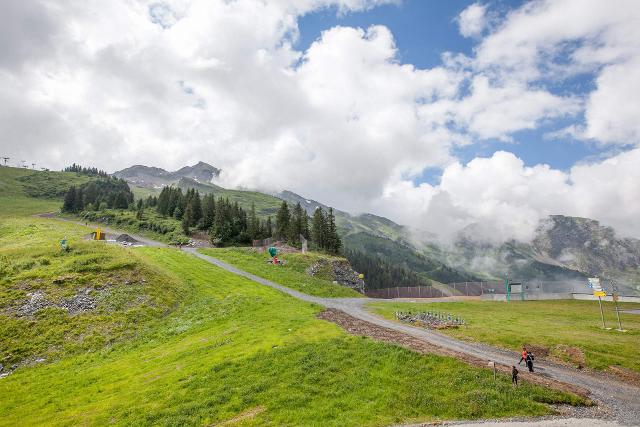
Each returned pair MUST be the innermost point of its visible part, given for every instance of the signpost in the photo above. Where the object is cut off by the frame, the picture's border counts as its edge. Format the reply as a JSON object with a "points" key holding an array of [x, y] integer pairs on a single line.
{"points": [[594, 283], [615, 296]]}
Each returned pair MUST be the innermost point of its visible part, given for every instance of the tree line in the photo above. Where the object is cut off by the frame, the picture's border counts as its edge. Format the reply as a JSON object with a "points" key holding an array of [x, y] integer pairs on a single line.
{"points": [[105, 193], [86, 171], [228, 223], [380, 273]]}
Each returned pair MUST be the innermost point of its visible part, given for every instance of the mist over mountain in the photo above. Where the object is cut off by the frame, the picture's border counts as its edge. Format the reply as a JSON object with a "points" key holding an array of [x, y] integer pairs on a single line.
{"points": [[563, 248]]}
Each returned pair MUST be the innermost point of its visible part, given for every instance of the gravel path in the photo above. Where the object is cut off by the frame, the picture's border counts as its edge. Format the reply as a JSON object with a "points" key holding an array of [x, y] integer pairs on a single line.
{"points": [[622, 400], [564, 422]]}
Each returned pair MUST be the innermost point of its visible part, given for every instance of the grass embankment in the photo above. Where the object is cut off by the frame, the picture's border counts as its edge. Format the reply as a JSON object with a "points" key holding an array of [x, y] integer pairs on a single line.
{"points": [[127, 294], [560, 326], [235, 347], [292, 275]]}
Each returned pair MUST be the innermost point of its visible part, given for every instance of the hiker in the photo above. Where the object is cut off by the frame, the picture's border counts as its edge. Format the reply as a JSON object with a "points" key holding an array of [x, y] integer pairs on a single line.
{"points": [[529, 361], [514, 376], [524, 355]]}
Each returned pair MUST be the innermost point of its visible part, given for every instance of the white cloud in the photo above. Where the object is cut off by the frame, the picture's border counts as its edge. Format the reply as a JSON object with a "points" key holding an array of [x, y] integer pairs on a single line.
{"points": [[345, 121], [506, 199], [472, 21], [553, 40]]}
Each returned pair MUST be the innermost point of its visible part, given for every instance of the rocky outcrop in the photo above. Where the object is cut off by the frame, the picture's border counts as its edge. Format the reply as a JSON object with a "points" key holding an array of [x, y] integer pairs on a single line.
{"points": [[341, 273]]}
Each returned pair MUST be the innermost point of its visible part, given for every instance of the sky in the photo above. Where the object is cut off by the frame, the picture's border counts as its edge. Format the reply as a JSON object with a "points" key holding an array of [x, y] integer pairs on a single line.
{"points": [[436, 114]]}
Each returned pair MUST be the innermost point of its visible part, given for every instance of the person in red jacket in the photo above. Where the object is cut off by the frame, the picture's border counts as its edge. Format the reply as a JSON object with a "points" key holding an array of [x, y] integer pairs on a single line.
{"points": [[528, 359]]}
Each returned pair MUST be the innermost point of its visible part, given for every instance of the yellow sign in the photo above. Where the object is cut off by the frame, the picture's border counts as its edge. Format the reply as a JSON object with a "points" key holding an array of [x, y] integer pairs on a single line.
{"points": [[98, 234], [599, 294]]}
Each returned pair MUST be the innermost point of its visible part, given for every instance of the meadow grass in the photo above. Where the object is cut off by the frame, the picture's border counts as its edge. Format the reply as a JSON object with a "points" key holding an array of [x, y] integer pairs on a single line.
{"points": [[178, 341], [292, 275], [236, 347], [551, 324], [129, 294]]}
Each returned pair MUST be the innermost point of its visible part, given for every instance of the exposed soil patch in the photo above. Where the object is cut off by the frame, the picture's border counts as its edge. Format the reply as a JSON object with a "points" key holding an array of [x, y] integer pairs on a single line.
{"points": [[243, 416], [537, 350], [573, 355], [361, 328], [626, 375]]}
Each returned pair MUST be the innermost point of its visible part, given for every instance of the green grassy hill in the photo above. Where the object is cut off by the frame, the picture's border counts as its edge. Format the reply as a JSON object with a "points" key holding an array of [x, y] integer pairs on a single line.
{"points": [[24, 191], [152, 336], [293, 274]]}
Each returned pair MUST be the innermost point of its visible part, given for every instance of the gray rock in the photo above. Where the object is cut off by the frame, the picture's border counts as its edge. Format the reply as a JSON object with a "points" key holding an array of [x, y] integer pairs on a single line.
{"points": [[342, 272]]}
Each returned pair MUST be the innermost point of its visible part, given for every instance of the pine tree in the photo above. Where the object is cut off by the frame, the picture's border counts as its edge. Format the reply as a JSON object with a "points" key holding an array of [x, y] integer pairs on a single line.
{"points": [[69, 200], [177, 213], [196, 207], [269, 230], [78, 204], [282, 221], [140, 209], [305, 225], [333, 243], [296, 224], [208, 211], [254, 223], [121, 202], [163, 202], [187, 217], [318, 228]]}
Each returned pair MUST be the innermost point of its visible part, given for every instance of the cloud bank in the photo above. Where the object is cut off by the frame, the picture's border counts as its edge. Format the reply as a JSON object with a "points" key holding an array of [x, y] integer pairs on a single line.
{"points": [[344, 121]]}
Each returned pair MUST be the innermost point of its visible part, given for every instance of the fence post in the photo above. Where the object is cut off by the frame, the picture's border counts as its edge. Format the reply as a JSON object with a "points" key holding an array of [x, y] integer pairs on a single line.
{"points": [[466, 288]]}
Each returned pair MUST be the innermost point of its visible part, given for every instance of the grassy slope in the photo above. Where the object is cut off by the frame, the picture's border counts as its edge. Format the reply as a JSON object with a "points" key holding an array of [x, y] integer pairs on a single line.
{"points": [[130, 296], [547, 323], [19, 186], [235, 346], [292, 274], [210, 347]]}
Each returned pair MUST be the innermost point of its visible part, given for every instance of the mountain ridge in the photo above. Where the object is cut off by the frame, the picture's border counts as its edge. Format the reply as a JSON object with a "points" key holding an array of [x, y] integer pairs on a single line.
{"points": [[563, 248]]}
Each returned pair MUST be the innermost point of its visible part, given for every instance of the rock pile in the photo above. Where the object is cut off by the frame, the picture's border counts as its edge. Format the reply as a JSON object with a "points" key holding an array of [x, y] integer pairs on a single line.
{"points": [[431, 320], [341, 272], [346, 276], [78, 303], [125, 238]]}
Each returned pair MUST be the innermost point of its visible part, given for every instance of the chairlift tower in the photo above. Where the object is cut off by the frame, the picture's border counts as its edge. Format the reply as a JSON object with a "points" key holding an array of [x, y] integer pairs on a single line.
{"points": [[5, 160]]}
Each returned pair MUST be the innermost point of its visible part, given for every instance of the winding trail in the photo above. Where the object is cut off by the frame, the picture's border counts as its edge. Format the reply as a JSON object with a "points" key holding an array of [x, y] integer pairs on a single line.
{"points": [[622, 399]]}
